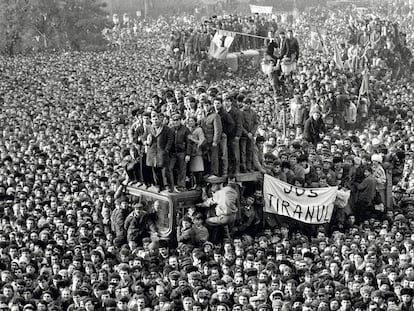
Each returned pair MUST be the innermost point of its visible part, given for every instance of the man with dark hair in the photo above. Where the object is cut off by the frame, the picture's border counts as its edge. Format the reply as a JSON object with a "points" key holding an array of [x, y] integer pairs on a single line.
{"points": [[293, 46], [43, 285], [201, 233], [250, 124], [283, 45], [233, 136], [228, 125], [159, 140], [137, 134], [118, 217], [180, 152], [366, 191], [138, 225], [314, 127], [213, 130]]}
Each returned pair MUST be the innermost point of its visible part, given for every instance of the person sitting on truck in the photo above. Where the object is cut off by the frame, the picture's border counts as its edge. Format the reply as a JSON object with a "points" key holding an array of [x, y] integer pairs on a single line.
{"points": [[224, 200], [138, 225]]}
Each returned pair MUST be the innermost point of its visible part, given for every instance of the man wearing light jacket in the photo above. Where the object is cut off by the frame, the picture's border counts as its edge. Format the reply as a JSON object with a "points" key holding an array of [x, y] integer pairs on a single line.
{"points": [[213, 130]]}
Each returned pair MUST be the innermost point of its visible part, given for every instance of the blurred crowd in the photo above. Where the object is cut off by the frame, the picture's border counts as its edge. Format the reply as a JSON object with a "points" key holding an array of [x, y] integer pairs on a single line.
{"points": [[77, 128]]}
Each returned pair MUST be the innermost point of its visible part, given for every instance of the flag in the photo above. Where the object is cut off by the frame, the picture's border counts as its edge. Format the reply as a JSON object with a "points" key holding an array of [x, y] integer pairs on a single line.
{"points": [[220, 44], [322, 39], [364, 84], [318, 38], [337, 57], [351, 20]]}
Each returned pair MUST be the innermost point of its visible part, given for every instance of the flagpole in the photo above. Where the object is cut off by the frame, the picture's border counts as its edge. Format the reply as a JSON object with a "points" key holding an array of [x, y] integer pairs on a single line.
{"points": [[364, 83], [359, 99], [359, 93], [243, 34]]}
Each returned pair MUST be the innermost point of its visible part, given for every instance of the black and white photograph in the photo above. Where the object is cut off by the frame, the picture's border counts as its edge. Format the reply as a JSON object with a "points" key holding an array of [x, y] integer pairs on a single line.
{"points": [[206, 155]]}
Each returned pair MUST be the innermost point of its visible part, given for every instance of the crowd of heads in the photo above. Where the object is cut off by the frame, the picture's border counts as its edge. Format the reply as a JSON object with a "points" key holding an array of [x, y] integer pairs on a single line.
{"points": [[66, 145]]}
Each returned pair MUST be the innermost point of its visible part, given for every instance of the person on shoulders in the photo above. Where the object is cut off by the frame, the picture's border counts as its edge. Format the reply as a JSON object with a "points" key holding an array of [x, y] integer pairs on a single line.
{"points": [[314, 129]]}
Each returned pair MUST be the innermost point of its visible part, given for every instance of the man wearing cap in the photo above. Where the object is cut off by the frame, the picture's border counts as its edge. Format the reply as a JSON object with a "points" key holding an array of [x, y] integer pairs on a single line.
{"points": [[173, 278]]}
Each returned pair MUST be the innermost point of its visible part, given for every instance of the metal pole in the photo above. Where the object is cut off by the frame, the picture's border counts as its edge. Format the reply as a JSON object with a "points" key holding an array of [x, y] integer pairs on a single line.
{"points": [[284, 120], [145, 8]]}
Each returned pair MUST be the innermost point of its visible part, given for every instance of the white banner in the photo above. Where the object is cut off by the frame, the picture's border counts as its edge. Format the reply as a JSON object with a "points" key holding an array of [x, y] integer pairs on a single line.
{"points": [[318, 36], [260, 9], [309, 205]]}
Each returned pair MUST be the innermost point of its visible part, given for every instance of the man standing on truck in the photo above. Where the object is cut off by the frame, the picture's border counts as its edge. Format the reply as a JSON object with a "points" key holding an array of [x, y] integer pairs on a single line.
{"points": [[160, 140]]}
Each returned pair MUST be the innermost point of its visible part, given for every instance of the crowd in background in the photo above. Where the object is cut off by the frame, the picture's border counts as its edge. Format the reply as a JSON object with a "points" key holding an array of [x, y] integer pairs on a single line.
{"points": [[76, 128]]}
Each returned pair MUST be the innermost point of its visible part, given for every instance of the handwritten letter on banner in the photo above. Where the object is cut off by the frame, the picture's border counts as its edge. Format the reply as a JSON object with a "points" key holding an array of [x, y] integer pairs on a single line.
{"points": [[309, 205]]}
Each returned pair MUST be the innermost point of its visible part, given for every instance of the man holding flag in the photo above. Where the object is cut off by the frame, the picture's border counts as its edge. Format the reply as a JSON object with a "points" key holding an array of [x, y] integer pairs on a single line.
{"points": [[364, 84], [363, 104], [318, 36], [337, 57], [322, 37]]}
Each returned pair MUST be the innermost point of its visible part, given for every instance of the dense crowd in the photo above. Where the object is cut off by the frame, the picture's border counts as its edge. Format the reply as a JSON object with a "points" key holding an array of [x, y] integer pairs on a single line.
{"points": [[77, 128]]}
